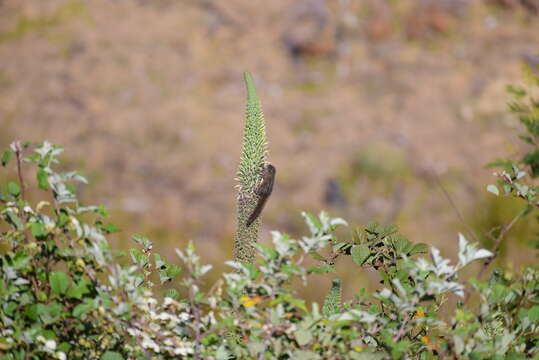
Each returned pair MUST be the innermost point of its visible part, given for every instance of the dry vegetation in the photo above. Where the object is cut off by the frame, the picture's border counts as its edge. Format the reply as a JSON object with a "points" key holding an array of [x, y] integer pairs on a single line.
{"points": [[369, 105]]}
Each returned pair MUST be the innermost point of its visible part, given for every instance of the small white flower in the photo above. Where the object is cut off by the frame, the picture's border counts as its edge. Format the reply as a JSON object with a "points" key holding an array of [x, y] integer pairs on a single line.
{"points": [[168, 301], [152, 301], [184, 316], [163, 316], [60, 355], [150, 344], [183, 349], [50, 344]]}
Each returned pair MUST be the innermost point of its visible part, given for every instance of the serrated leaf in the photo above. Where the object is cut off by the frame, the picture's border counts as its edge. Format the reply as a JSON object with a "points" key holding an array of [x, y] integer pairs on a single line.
{"points": [[360, 253]]}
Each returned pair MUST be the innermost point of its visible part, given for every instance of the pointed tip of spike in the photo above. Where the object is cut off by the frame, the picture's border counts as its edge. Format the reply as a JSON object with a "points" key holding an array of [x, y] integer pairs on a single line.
{"points": [[251, 91]]}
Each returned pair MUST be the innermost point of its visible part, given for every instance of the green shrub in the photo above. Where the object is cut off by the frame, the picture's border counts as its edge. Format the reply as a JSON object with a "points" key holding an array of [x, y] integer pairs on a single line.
{"points": [[65, 294]]}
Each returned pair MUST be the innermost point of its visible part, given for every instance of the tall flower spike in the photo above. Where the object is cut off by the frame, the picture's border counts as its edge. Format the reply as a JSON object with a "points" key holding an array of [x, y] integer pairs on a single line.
{"points": [[253, 159]]}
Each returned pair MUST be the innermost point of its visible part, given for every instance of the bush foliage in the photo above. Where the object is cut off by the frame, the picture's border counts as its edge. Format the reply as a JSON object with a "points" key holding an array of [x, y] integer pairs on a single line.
{"points": [[66, 294]]}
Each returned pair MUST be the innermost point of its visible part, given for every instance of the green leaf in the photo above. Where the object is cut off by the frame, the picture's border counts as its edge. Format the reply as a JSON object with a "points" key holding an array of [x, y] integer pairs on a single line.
{"points": [[59, 282], [419, 249], [401, 244], [518, 92], [38, 230], [493, 189], [79, 289], [6, 157], [42, 178], [315, 226], [360, 253], [64, 347], [13, 189], [372, 227], [159, 263], [388, 230], [139, 258], [506, 164], [49, 313], [532, 159], [144, 241], [81, 309], [222, 353], [31, 312], [527, 139], [321, 269], [317, 256], [112, 355], [14, 219], [533, 313]]}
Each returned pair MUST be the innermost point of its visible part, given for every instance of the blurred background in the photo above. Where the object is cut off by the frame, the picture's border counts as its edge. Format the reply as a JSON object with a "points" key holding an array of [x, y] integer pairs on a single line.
{"points": [[376, 110]]}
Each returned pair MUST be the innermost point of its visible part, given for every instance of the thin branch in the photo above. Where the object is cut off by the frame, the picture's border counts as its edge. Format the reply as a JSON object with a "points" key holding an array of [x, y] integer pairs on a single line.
{"points": [[454, 206], [18, 154], [497, 245], [498, 241], [414, 154], [508, 180]]}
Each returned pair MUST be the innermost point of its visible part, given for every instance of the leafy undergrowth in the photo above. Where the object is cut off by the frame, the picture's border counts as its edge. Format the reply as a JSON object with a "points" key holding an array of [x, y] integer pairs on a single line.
{"points": [[65, 293]]}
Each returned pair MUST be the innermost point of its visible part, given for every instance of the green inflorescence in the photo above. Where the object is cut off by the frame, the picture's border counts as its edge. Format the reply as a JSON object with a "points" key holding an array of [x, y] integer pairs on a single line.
{"points": [[253, 158], [332, 303]]}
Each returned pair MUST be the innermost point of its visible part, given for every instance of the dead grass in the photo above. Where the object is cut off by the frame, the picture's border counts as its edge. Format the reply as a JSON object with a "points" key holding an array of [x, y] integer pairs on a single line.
{"points": [[150, 96]]}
